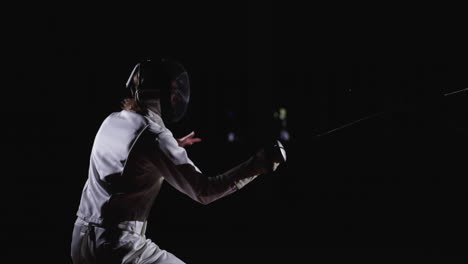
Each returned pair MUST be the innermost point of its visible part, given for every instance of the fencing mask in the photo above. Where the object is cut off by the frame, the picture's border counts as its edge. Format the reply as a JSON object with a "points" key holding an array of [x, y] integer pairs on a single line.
{"points": [[163, 79]]}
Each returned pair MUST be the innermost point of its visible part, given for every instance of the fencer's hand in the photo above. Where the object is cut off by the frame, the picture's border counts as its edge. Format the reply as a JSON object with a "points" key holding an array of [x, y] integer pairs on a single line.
{"points": [[189, 140], [271, 156]]}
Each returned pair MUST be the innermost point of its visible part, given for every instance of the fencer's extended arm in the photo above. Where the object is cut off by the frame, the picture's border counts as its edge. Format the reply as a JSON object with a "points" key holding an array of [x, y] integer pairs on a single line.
{"points": [[187, 178]]}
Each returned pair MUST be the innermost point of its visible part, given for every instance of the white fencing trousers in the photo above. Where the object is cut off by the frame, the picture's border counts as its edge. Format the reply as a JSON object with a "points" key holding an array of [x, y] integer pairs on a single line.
{"points": [[127, 243]]}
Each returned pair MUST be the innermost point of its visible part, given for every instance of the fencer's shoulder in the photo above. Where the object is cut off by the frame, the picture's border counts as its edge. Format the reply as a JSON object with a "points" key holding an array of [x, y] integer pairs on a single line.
{"points": [[124, 120], [131, 117]]}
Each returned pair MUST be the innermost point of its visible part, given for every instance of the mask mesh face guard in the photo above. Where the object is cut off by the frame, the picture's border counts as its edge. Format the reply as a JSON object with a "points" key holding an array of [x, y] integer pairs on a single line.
{"points": [[179, 98], [164, 79]]}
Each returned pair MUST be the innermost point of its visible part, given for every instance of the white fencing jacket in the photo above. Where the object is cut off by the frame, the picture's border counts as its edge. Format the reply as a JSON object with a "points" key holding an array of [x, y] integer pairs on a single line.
{"points": [[131, 157]]}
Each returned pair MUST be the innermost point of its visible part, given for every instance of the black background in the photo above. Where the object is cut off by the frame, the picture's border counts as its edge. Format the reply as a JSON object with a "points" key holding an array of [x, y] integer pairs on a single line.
{"points": [[391, 189]]}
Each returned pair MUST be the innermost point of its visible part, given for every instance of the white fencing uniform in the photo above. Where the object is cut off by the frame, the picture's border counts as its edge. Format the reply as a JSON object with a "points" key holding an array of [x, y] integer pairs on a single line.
{"points": [[131, 157]]}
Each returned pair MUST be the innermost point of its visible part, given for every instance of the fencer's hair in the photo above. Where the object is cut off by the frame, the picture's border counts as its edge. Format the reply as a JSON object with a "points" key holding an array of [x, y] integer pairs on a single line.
{"points": [[131, 104]]}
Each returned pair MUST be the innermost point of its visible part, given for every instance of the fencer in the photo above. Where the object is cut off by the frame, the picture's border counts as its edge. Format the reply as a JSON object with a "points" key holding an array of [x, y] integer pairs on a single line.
{"points": [[133, 154]]}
